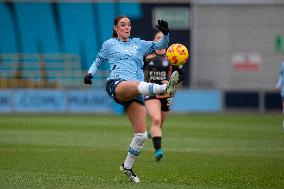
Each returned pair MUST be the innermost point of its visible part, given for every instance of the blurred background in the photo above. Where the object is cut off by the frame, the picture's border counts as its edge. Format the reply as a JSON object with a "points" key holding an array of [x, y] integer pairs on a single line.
{"points": [[236, 48]]}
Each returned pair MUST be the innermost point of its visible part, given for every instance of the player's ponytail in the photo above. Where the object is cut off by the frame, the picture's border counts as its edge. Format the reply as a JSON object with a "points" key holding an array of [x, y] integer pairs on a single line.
{"points": [[114, 34], [115, 22]]}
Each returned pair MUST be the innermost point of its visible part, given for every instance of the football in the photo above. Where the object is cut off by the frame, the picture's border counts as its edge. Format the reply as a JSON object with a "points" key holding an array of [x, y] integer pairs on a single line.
{"points": [[177, 54]]}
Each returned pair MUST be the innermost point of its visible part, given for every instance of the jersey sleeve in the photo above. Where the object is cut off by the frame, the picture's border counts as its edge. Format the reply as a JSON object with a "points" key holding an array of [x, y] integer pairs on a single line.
{"points": [[150, 46], [278, 84], [101, 57]]}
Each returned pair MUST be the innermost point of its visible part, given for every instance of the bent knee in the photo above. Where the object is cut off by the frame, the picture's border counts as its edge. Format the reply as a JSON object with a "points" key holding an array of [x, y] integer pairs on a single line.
{"points": [[141, 136], [126, 90], [156, 121]]}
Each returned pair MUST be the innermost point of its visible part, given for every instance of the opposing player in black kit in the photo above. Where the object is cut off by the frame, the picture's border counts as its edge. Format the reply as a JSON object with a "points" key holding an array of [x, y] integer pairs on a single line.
{"points": [[158, 70]]}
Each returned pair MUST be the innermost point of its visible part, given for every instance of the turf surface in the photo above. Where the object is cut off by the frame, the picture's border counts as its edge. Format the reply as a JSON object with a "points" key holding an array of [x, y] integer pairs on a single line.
{"points": [[86, 150]]}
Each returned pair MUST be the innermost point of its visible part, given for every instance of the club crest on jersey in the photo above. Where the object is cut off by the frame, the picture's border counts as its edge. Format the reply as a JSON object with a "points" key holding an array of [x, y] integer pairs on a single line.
{"points": [[165, 63], [131, 49]]}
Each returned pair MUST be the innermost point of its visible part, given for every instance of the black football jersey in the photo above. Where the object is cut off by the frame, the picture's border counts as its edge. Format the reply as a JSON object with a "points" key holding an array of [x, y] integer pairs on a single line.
{"points": [[158, 69]]}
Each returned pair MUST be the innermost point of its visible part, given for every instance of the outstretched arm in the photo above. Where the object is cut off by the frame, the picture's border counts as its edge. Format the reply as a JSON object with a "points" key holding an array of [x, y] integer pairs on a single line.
{"points": [[101, 57], [163, 27], [94, 67], [278, 84], [162, 44], [150, 46]]}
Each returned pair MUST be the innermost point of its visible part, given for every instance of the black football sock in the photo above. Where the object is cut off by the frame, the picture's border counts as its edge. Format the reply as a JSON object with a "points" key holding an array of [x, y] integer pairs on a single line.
{"points": [[157, 142]]}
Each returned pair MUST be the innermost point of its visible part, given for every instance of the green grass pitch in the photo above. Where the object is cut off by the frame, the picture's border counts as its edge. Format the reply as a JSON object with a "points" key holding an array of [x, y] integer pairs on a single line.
{"points": [[72, 151]]}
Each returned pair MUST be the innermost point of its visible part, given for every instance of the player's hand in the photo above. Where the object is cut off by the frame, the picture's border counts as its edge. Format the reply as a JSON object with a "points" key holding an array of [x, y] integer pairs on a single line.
{"points": [[163, 26], [88, 79]]}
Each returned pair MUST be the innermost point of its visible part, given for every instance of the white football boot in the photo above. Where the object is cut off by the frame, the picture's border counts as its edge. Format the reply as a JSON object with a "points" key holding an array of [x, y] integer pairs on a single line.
{"points": [[171, 86], [130, 174]]}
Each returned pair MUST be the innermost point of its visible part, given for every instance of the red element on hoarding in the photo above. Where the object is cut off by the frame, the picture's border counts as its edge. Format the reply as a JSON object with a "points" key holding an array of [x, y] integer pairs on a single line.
{"points": [[246, 66]]}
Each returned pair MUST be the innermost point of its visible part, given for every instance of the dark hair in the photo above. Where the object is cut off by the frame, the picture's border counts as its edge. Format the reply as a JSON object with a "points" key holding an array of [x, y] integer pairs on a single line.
{"points": [[115, 22], [157, 32]]}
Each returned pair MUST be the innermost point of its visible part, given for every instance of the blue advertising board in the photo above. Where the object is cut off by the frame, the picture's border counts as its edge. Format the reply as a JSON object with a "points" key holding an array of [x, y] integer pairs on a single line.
{"points": [[6, 101], [91, 100], [197, 101], [39, 100], [88, 101]]}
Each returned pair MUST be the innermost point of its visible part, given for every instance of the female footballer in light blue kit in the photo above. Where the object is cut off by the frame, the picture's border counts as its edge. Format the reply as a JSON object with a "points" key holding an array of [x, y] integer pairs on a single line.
{"points": [[125, 83], [280, 86]]}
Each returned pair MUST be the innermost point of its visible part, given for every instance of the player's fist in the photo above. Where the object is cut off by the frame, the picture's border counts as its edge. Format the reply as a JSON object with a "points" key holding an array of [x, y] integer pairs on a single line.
{"points": [[88, 79], [163, 26]]}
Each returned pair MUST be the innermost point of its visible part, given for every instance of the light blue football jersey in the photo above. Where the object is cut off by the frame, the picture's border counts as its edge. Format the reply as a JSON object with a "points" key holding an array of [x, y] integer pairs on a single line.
{"points": [[280, 82], [126, 58]]}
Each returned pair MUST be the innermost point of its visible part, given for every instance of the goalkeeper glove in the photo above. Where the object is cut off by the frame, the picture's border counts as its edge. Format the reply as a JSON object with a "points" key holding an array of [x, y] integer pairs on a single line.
{"points": [[163, 26], [88, 78]]}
